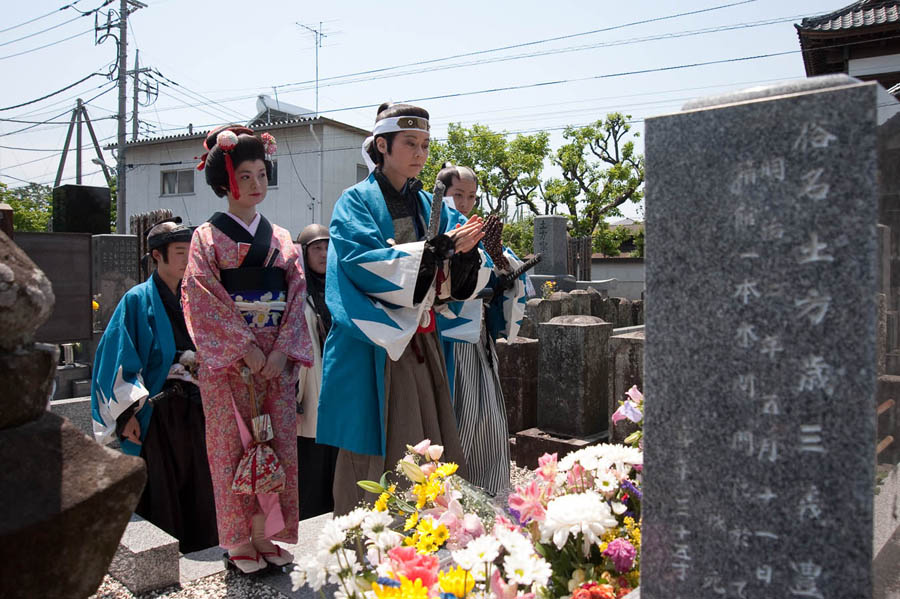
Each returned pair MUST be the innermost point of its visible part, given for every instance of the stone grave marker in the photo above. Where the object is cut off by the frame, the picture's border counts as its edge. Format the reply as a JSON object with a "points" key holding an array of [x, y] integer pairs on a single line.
{"points": [[760, 429], [551, 241], [115, 271]]}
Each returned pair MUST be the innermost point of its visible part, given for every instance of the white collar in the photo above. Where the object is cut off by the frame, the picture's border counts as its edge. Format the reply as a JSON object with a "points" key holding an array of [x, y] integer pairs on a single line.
{"points": [[251, 228]]}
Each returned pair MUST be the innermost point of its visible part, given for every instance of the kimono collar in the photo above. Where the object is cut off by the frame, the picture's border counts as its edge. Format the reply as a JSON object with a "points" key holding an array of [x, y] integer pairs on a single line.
{"points": [[251, 228]]}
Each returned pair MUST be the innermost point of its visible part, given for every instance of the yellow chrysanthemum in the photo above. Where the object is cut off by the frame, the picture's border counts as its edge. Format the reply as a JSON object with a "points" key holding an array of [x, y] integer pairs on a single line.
{"points": [[456, 581], [441, 534], [410, 541], [426, 545], [408, 589], [411, 521], [381, 503], [445, 470]]}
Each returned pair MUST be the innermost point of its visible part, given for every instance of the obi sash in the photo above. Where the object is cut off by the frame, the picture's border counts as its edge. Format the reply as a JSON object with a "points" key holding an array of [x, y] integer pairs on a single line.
{"points": [[258, 288]]}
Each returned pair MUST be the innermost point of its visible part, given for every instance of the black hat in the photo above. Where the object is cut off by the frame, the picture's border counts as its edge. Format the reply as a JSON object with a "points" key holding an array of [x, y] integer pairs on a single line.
{"points": [[168, 231]]}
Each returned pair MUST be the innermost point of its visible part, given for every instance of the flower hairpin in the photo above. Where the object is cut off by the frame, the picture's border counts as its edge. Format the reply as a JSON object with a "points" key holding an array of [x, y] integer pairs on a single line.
{"points": [[269, 144], [226, 140]]}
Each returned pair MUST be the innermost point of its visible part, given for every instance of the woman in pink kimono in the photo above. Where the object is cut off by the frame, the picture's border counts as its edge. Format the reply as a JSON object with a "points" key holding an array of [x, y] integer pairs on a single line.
{"points": [[243, 303]]}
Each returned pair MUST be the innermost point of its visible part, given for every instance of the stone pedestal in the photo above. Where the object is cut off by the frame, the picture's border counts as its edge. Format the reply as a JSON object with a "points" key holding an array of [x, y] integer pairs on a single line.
{"points": [[517, 363], [572, 379], [147, 558], [551, 241], [626, 369]]}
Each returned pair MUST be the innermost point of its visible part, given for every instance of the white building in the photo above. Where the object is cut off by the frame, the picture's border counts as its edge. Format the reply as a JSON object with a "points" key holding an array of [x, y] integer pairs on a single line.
{"points": [[317, 159]]}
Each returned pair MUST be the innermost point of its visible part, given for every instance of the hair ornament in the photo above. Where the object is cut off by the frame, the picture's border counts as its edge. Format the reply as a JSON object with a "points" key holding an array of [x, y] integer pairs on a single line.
{"points": [[226, 140], [269, 144]]}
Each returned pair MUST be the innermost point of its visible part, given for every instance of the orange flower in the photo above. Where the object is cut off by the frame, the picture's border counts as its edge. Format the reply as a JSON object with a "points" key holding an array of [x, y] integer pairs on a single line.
{"points": [[592, 590]]}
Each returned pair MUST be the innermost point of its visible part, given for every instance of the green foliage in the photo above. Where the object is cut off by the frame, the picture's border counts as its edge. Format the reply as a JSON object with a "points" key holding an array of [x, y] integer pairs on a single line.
{"points": [[508, 170], [639, 244], [112, 204], [32, 206], [519, 236], [600, 172], [607, 241]]}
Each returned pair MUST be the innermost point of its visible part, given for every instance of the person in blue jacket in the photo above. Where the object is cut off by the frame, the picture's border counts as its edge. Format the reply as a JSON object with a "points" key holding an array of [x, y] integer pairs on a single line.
{"points": [[144, 394], [384, 379]]}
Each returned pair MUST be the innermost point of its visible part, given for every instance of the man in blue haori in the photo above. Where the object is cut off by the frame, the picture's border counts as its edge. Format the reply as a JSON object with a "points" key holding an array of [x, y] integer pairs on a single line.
{"points": [[144, 394]]}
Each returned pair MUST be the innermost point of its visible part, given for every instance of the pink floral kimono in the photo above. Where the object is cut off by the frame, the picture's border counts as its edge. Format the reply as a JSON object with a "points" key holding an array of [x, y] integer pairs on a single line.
{"points": [[230, 306]]}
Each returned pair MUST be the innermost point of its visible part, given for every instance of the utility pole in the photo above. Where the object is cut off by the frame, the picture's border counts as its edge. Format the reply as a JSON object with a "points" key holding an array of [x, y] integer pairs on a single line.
{"points": [[120, 143], [78, 110], [318, 42], [137, 89]]}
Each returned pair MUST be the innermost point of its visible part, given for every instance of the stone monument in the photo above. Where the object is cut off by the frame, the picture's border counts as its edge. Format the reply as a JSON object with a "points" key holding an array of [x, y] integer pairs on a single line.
{"points": [[64, 499], [760, 410], [551, 241], [114, 271]]}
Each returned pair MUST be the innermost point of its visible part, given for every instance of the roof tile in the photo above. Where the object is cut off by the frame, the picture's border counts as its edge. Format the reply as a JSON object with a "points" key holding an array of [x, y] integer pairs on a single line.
{"points": [[864, 13]]}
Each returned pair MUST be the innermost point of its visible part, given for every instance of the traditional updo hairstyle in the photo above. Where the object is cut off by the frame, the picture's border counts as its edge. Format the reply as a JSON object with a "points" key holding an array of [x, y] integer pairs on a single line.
{"points": [[450, 171], [387, 110], [248, 147]]}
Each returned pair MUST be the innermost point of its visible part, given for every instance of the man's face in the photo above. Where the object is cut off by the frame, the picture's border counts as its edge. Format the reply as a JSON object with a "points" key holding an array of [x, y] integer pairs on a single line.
{"points": [[177, 260], [317, 256]]}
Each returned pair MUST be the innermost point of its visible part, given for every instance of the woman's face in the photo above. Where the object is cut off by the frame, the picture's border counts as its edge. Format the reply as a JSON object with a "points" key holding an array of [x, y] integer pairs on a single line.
{"points": [[409, 152], [463, 192], [317, 256], [252, 183]]}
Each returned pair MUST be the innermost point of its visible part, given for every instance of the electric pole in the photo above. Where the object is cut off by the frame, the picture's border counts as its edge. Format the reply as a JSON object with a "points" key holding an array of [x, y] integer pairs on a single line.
{"points": [[318, 43], [137, 89]]}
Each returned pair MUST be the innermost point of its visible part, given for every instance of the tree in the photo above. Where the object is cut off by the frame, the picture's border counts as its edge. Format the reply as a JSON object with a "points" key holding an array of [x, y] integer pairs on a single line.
{"points": [[519, 236], [507, 170], [600, 172], [32, 206]]}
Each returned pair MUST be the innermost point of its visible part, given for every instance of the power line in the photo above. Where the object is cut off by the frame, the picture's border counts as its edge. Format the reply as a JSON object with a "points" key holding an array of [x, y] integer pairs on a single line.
{"points": [[52, 12], [51, 94], [530, 43], [60, 114], [71, 37]]}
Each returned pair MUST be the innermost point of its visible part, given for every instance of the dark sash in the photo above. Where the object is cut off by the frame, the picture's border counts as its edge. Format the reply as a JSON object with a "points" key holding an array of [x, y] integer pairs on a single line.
{"points": [[252, 274]]}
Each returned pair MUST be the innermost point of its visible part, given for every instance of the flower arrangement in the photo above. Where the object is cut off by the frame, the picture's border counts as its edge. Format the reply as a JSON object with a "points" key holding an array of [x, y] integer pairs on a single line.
{"points": [[632, 409], [548, 289], [583, 515], [573, 531], [269, 144]]}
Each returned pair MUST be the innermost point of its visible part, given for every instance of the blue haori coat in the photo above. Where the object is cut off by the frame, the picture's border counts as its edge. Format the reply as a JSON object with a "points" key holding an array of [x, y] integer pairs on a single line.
{"points": [[370, 282], [132, 362]]}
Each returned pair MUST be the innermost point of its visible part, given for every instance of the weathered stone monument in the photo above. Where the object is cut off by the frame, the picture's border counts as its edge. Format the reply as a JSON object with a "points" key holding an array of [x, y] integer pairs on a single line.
{"points": [[114, 271], [760, 414], [551, 241], [64, 499]]}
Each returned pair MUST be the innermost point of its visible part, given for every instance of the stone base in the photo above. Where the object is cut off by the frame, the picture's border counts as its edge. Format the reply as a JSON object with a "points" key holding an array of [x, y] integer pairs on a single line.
{"points": [[68, 374], [147, 557], [532, 443], [66, 503], [603, 286]]}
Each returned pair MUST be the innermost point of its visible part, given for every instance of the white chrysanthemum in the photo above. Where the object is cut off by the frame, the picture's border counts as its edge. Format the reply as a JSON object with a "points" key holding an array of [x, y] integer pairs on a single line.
{"points": [[513, 542], [332, 536], [298, 578], [485, 548], [620, 456], [375, 522], [606, 482], [353, 519], [526, 569], [386, 540], [585, 513], [618, 508], [310, 572], [464, 558]]}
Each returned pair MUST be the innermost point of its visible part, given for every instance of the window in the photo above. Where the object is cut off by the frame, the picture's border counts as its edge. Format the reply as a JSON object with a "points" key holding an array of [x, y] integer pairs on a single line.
{"points": [[362, 172], [273, 180], [177, 182]]}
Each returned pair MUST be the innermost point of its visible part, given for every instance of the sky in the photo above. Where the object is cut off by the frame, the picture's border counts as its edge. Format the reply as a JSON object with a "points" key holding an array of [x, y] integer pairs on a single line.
{"points": [[569, 62]]}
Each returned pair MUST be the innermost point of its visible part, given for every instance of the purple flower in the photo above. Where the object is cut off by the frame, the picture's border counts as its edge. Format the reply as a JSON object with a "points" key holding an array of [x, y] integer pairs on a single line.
{"points": [[628, 410], [622, 553]]}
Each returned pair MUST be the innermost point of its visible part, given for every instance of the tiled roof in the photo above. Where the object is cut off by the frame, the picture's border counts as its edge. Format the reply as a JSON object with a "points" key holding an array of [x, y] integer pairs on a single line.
{"points": [[865, 13]]}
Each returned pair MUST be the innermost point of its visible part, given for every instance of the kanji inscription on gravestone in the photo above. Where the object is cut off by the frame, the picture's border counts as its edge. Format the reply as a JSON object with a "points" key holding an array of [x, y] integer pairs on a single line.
{"points": [[115, 271], [759, 441]]}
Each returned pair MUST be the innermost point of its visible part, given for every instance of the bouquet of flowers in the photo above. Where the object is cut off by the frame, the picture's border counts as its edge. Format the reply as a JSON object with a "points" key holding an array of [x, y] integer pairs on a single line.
{"points": [[572, 532], [583, 515]]}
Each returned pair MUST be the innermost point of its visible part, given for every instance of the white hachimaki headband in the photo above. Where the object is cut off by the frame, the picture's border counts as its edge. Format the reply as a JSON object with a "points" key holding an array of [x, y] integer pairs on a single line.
{"points": [[391, 125]]}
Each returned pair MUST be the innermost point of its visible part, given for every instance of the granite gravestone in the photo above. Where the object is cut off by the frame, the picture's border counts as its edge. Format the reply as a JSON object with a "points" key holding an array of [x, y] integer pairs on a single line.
{"points": [[551, 241], [115, 271], [760, 408]]}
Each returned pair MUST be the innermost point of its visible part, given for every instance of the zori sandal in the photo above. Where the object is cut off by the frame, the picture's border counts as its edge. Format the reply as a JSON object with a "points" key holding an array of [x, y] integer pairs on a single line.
{"points": [[277, 558], [246, 564]]}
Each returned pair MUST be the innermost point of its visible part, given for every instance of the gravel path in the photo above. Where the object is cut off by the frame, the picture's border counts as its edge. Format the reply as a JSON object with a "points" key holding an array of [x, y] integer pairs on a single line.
{"points": [[224, 585]]}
